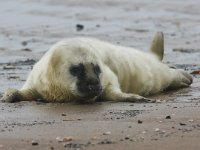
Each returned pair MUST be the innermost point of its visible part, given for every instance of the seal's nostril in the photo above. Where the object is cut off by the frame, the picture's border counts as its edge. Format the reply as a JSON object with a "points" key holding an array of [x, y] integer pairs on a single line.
{"points": [[90, 87], [94, 88]]}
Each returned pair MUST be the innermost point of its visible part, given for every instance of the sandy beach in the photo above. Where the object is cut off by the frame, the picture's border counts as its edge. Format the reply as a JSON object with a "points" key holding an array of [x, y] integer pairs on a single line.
{"points": [[29, 28]]}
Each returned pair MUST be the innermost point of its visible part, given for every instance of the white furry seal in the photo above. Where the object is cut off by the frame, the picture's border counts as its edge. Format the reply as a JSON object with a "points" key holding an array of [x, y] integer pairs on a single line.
{"points": [[86, 68]]}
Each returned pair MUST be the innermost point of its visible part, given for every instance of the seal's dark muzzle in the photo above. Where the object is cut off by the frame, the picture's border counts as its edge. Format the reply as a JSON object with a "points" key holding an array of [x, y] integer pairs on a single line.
{"points": [[91, 88]]}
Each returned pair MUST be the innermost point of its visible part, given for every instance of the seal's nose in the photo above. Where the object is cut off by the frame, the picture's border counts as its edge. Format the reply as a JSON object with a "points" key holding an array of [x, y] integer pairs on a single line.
{"points": [[90, 88], [94, 86]]}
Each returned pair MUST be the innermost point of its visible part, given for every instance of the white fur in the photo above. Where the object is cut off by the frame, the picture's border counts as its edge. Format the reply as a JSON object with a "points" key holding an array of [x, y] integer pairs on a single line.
{"points": [[126, 72]]}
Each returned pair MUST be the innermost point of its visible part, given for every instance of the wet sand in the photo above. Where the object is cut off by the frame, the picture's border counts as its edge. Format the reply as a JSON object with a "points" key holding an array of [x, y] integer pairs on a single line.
{"points": [[28, 28]]}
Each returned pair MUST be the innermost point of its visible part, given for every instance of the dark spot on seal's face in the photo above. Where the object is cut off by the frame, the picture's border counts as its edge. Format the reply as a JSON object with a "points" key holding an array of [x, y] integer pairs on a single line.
{"points": [[88, 81], [97, 69], [77, 70]]}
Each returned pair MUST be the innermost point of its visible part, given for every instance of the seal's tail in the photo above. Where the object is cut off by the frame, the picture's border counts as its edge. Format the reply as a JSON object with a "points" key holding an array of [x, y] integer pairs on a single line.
{"points": [[157, 45]]}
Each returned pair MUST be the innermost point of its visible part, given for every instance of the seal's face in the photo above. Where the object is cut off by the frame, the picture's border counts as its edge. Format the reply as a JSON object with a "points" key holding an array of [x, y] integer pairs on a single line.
{"points": [[88, 83]]}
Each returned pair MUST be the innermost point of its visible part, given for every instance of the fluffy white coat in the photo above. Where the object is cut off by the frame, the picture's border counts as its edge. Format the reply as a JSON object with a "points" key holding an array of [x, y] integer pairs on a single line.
{"points": [[127, 74]]}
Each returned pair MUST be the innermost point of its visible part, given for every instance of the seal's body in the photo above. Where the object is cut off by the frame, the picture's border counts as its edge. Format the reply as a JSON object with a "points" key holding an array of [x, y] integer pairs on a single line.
{"points": [[86, 68]]}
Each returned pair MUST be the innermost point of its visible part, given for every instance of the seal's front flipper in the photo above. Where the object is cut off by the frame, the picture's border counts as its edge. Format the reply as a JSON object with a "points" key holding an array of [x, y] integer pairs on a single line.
{"points": [[157, 45], [11, 96], [14, 95]]}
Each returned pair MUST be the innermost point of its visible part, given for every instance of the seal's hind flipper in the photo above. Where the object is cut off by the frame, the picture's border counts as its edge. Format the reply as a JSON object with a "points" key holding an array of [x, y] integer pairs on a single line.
{"points": [[157, 45]]}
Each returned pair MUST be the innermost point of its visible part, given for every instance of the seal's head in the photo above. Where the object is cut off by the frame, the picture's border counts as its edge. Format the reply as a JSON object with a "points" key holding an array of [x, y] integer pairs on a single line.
{"points": [[87, 84], [75, 72]]}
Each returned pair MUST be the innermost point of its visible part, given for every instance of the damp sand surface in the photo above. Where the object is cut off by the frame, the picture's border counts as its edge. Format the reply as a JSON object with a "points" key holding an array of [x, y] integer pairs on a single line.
{"points": [[29, 27]]}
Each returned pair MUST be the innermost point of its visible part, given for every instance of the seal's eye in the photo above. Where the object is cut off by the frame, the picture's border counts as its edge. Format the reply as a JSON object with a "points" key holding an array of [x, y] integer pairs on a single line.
{"points": [[77, 70], [97, 69]]}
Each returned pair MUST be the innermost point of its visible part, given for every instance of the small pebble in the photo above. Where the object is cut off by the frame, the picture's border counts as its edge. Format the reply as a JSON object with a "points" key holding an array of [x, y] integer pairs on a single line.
{"points": [[1, 146], [191, 120], [140, 122], [182, 124], [107, 133], [123, 112], [127, 137], [158, 101], [157, 129], [79, 27], [94, 138], [67, 139], [163, 131], [34, 143], [131, 140], [24, 43], [143, 132], [63, 114], [59, 139], [52, 148], [168, 117]]}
